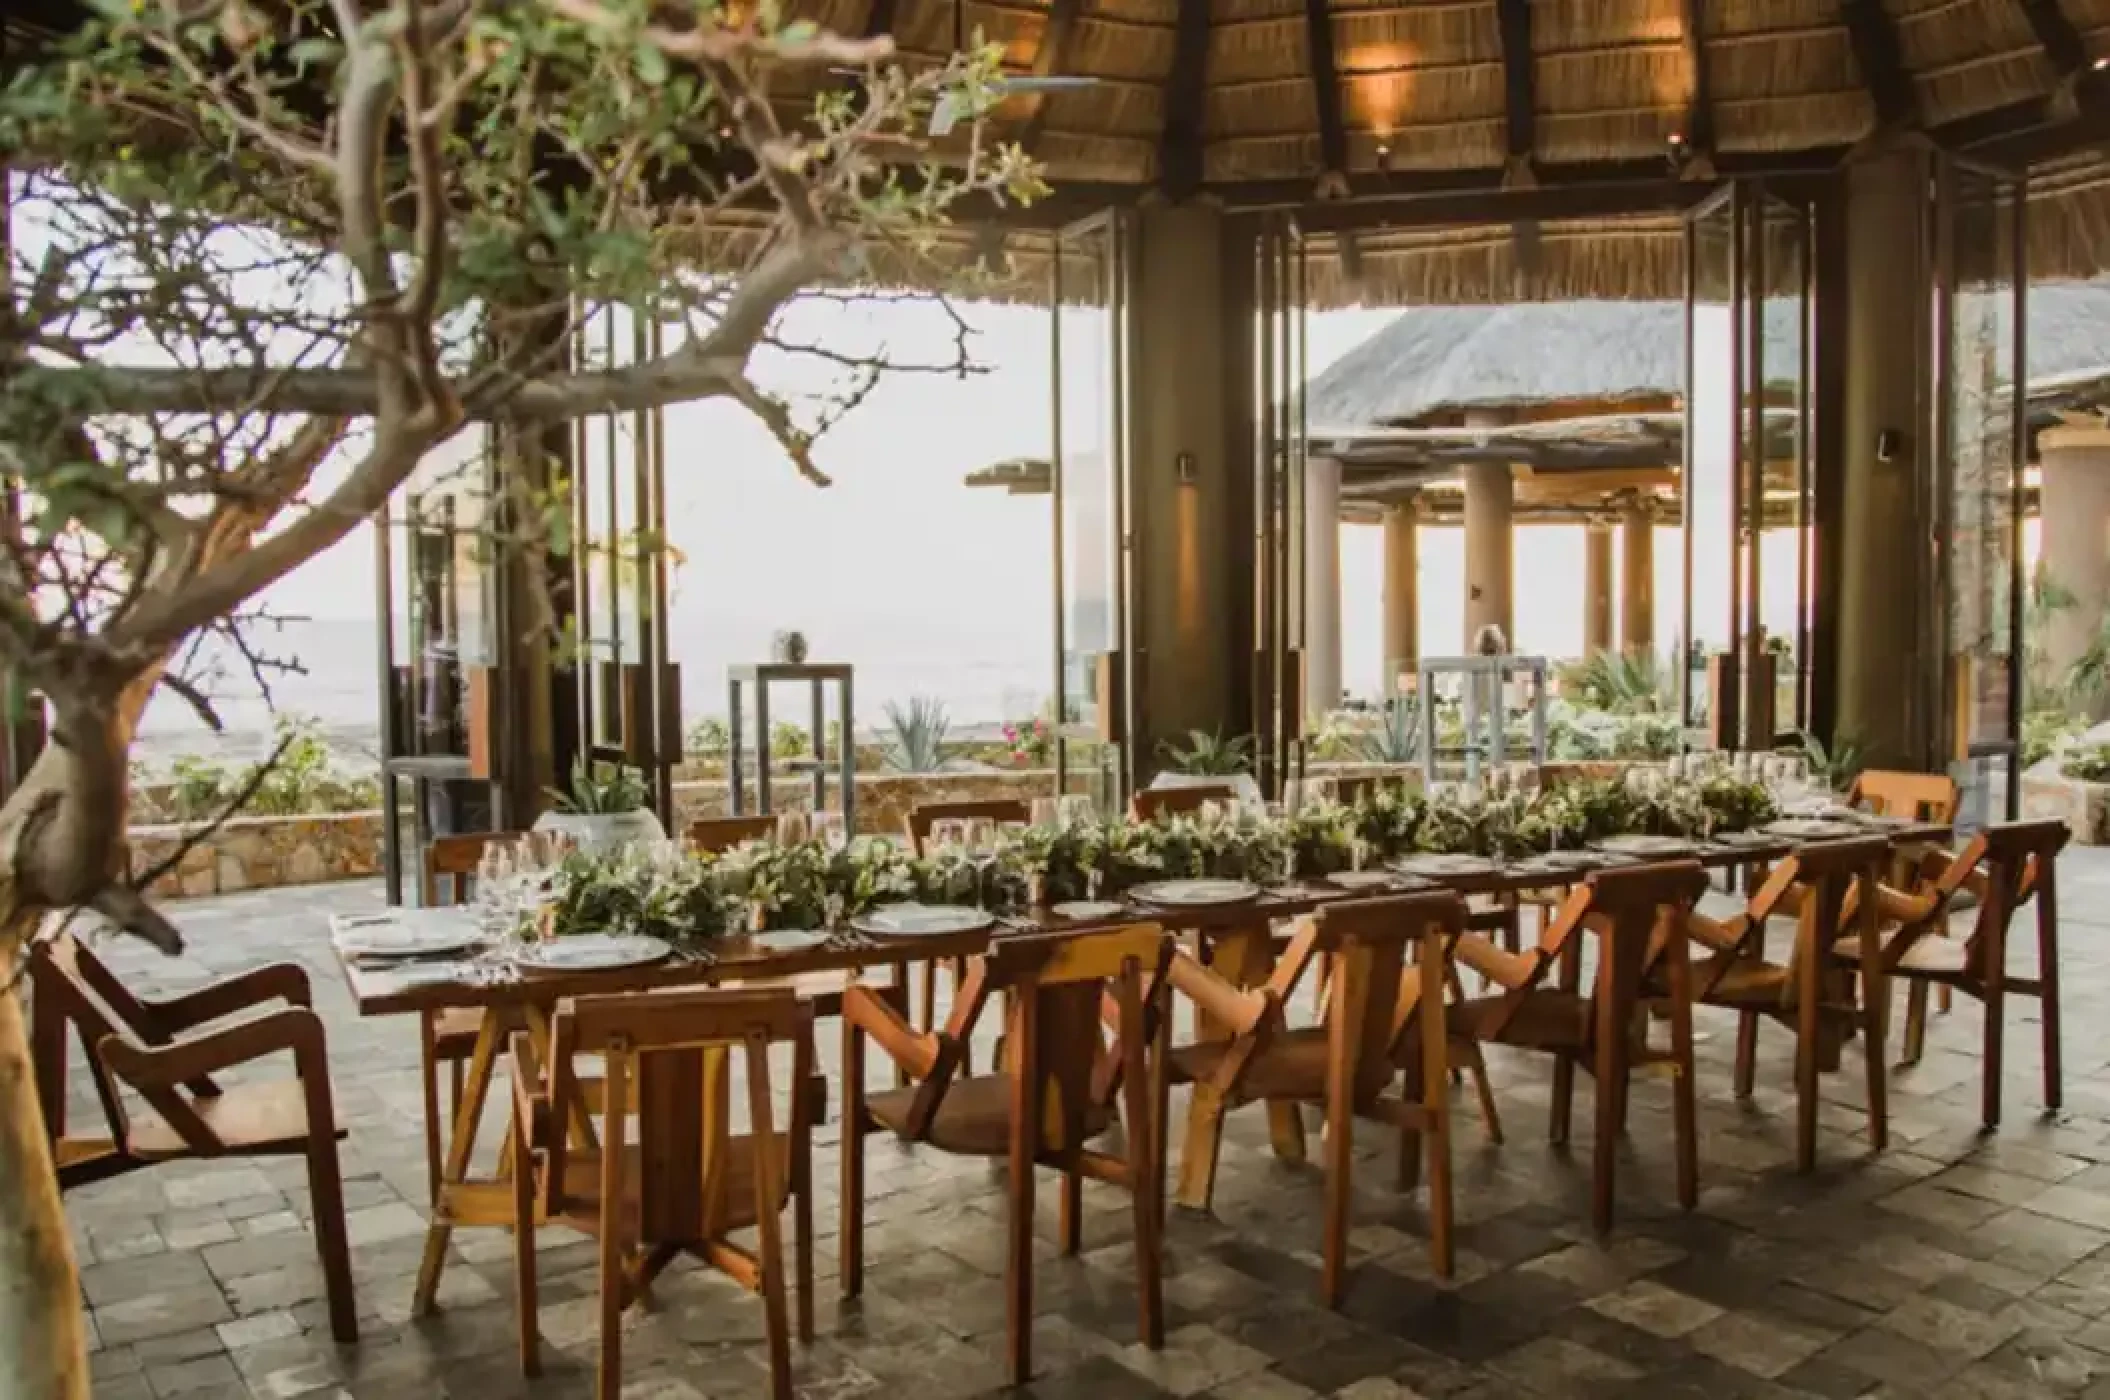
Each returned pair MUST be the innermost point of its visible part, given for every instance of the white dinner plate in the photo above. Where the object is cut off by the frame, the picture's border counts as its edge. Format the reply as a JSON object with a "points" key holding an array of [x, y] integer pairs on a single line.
{"points": [[1812, 829], [791, 940], [1363, 879], [1640, 845], [404, 935], [922, 921], [1085, 911], [594, 952], [1436, 865], [1196, 894]]}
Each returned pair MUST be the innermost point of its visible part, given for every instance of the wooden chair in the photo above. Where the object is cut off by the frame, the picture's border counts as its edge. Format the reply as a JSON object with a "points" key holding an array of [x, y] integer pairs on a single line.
{"points": [[686, 1185], [1837, 883], [922, 818], [1370, 1033], [1638, 914], [2007, 866], [1925, 797], [165, 1051], [1056, 1094], [448, 1036], [716, 835], [1151, 803]]}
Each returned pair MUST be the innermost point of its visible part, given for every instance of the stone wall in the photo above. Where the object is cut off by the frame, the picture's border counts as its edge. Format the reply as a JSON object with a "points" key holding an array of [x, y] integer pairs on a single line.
{"points": [[250, 853]]}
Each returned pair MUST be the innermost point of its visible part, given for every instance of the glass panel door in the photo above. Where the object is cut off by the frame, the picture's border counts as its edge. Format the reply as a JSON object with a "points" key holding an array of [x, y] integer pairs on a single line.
{"points": [[1714, 359], [1782, 504], [629, 688], [1980, 451], [1093, 691], [1279, 609]]}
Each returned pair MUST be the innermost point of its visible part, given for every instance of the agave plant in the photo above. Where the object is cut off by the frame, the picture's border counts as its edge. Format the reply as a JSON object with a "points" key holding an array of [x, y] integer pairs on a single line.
{"points": [[1208, 754], [1835, 765], [915, 737], [601, 789], [1397, 737], [1624, 682]]}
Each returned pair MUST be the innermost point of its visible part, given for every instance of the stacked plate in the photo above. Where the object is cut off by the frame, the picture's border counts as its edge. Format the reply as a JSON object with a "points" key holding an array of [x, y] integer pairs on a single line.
{"points": [[1196, 894], [1812, 829], [1438, 865], [1647, 847], [401, 935], [911, 921], [593, 952]]}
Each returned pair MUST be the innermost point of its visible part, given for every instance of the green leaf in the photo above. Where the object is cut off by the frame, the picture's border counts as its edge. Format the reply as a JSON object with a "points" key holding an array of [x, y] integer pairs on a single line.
{"points": [[652, 63]]}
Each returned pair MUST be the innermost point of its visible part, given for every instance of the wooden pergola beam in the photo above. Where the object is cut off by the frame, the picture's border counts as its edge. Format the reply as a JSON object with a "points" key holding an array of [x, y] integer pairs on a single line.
{"points": [[1699, 102], [1519, 95], [1326, 87], [2057, 36], [1882, 62], [1050, 57], [1180, 147]]}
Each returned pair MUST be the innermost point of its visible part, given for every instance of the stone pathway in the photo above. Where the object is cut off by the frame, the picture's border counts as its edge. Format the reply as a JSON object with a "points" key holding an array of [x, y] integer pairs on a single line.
{"points": [[1953, 1265]]}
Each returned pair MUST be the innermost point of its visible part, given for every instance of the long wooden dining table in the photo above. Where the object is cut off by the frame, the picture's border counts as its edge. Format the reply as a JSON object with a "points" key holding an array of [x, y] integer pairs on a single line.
{"points": [[1240, 943]]}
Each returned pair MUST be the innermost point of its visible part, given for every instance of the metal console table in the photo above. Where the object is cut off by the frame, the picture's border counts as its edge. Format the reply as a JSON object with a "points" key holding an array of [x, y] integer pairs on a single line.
{"points": [[1486, 706], [817, 676]]}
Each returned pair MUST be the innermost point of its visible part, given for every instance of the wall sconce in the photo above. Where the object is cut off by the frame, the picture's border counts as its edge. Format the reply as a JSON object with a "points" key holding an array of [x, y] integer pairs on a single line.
{"points": [[1889, 443], [1185, 469], [1384, 155]]}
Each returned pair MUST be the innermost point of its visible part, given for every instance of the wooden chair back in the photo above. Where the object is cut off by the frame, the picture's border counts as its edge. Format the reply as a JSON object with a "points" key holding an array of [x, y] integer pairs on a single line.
{"points": [[713, 835], [454, 859], [1005, 811], [1151, 803], [652, 1048], [2019, 862], [1373, 991], [71, 981], [1925, 797], [1838, 881], [1641, 911]]}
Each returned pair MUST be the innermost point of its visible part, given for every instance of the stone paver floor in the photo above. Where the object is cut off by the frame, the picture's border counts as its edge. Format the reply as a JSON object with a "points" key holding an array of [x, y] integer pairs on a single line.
{"points": [[1955, 1264]]}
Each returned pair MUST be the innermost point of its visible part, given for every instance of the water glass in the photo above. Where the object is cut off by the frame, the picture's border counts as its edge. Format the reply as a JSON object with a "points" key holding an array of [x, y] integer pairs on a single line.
{"points": [[828, 829], [947, 834], [1046, 811], [792, 829], [1078, 809]]}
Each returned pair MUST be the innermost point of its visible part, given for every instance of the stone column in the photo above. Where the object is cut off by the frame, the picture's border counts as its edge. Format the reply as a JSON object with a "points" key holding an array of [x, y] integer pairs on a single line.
{"points": [[1597, 588], [1402, 615], [1322, 587], [1490, 543], [2076, 549], [1888, 692], [1637, 581]]}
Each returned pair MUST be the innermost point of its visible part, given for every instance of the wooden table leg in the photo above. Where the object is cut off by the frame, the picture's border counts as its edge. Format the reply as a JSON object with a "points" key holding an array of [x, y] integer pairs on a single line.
{"points": [[1245, 958], [482, 1061]]}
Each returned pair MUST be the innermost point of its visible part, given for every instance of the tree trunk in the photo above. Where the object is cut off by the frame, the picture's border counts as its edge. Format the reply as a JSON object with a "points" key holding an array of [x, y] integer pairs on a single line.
{"points": [[42, 1335]]}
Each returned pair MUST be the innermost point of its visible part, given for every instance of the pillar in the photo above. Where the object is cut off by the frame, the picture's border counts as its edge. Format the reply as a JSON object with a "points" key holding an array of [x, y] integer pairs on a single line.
{"points": [[1887, 682], [1637, 581], [1322, 587], [1192, 563], [1597, 588], [2076, 546], [1402, 615], [1490, 550]]}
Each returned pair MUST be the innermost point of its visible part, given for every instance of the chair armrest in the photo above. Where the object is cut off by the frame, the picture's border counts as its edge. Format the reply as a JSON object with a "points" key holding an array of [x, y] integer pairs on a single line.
{"points": [[158, 1066], [287, 982], [1510, 970], [1242, 1011], [1721, 935]]}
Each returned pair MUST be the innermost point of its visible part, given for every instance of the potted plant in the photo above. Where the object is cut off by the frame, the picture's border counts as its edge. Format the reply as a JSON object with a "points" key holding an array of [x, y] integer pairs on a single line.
{"points": [[603, 808]]}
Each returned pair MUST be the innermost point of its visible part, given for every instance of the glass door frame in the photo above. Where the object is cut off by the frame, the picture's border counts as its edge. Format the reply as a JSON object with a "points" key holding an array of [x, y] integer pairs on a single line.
{"points": [[1280, 461], [1973, 751], [1118, 667], [1750, 208]]}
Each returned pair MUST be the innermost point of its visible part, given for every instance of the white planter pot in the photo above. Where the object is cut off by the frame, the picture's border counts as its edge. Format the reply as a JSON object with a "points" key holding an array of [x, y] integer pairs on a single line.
{"points": [[603, 831]]}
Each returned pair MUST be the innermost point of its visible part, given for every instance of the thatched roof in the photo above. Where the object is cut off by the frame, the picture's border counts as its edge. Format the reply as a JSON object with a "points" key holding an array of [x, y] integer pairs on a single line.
{"points": [[1435, 363]]}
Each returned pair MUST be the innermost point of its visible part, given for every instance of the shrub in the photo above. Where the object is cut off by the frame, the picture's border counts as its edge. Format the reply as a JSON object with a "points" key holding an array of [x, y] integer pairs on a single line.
{"points": [[2088, 764], [915, 737]]}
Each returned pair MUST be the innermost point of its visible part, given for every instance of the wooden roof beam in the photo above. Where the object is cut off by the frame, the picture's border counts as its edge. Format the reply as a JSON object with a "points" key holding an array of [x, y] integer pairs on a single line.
{"points": [[1326, 95], [1882, 63], [1050, 57], [1186, 104], [1519, 90], [1696, 137], [2057, 36]]}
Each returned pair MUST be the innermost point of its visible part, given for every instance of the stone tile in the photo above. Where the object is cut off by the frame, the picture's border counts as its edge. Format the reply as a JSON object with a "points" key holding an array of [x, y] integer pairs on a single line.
{"points": [[1650, 1306], [1764, 1345]]}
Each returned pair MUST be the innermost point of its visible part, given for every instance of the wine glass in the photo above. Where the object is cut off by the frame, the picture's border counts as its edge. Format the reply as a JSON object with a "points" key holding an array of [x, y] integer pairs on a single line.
{"points": [[1047, 811], [1078, 809], [494, 875], [948, 835], [792, 829], [829, 830]]}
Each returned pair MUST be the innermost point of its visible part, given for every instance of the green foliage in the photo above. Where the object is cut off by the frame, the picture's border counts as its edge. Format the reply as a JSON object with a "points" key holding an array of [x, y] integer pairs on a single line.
{"points": [[307, 779], [1835, 765], [1397, 737], [915, 737], [601, 789], [2045, 730], [1208, 754], [2088, 764], [788, 740], [1623, 682], [709, 737]]}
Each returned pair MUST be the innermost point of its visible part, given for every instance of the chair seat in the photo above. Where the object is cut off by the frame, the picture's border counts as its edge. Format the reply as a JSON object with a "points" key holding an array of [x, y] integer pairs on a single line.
{"points": [[1931, 953], [582, 1184], [974, 1117], [1549, 1019], [246, 1118], [1735, 981], [1292, 1065]]}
